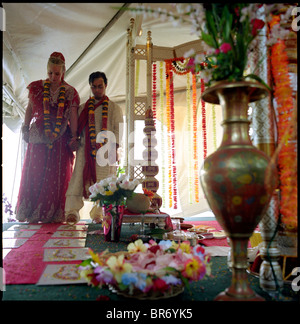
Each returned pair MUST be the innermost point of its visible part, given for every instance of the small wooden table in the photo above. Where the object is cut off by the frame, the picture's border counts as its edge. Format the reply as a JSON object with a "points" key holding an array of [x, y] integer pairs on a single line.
{"points": [[158, 219]]}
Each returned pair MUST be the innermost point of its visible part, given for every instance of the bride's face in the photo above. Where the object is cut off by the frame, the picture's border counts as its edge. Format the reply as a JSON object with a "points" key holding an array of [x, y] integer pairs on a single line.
{"points": [[55, 73]]}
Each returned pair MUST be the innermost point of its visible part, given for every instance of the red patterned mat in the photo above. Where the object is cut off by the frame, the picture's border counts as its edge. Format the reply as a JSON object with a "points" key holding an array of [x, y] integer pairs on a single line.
{"points": [[25, 265]]}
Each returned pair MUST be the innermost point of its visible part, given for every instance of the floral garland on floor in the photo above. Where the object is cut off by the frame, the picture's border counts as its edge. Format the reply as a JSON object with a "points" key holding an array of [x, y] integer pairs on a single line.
{"points": [[92, 127], [147, 270], [286, 151], [52, 135]]}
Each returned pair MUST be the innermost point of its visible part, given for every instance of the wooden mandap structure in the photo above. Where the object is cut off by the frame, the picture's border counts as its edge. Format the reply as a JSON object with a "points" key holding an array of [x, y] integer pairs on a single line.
{"points": [[141, 107]]}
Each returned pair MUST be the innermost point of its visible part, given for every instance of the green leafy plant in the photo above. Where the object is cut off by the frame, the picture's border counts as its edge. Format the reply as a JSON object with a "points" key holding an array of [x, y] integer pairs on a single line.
{"points": [[230, 37]]}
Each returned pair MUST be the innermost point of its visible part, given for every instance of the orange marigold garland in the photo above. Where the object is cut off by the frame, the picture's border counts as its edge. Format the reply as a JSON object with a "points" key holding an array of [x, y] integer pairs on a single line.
{"points": [[92, 128], [286, 151], [150, 194], [52, 135], [46, 98]]}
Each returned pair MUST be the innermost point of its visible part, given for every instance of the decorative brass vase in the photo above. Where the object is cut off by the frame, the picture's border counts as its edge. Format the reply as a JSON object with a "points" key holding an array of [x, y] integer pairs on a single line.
{"points": [[234, 179]]}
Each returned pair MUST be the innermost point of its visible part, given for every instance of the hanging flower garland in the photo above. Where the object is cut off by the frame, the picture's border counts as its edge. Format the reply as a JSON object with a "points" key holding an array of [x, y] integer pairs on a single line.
{"points": [[92, 127], [180, 65], [172, 115], [162, 121], [195, 141], [172, 172], [154, 91], [287, 155], [214, 125], [169, 132], [52, 135], [189, 131], [203, 111]]}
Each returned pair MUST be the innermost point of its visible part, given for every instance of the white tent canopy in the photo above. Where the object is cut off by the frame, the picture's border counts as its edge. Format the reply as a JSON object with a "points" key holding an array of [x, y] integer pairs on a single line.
{"points": [[92, 37], [35, 30]]}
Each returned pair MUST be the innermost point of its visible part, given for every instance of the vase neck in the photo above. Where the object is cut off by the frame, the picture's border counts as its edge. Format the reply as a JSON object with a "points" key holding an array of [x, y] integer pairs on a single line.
{"points": [[234, 102]]}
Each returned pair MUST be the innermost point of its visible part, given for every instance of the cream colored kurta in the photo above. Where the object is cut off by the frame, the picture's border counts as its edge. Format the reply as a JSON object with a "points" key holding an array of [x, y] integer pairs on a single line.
{"points": [[74, 195]]}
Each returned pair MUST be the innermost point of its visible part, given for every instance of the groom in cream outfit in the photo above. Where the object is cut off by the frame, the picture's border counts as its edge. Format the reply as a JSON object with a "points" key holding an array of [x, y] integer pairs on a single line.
{"points": [[98, 114]]}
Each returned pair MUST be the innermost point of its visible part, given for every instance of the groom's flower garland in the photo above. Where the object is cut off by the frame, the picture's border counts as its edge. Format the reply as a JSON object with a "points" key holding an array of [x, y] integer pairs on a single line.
{"points": [[61, 104], [92, 128]]}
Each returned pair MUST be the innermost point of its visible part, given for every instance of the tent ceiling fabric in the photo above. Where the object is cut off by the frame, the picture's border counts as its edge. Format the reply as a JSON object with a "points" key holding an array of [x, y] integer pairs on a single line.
{"points": [[35, 30]]}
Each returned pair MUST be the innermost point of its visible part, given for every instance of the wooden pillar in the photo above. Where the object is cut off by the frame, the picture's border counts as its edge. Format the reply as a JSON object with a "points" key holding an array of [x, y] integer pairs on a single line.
{"points": [[150, 168]]}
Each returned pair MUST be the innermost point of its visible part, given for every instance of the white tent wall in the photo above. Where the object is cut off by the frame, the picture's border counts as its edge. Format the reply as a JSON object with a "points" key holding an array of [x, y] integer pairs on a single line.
{"points": [[182, 158], [34, 30]]}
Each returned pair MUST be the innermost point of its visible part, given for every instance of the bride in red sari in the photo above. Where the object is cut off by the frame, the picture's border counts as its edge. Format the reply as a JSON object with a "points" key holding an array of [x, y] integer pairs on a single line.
{"points": [[50, 129]]}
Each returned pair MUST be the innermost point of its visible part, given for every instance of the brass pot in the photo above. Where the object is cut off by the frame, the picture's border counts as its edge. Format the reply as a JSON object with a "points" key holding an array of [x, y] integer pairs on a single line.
{"points": [[234, 178]]}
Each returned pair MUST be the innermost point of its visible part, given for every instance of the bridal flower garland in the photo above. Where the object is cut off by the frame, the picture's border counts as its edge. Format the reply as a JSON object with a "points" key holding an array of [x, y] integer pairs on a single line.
{"points": [[150, 268], [61, 104]]}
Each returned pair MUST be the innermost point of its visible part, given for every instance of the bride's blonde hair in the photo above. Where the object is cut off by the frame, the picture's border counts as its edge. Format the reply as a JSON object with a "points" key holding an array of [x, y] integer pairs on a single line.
{"points": [[57, 58]]}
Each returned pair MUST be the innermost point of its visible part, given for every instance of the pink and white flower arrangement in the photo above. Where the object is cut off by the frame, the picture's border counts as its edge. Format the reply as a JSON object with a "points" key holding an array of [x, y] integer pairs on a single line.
{"points": [[231, 31], [113, 190], [147, 268]]}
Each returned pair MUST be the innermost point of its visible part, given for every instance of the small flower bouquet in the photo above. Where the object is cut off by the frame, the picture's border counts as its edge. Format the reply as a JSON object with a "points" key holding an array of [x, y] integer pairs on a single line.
{"points": [[113, 190], [111, 193], [147, 270]]}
